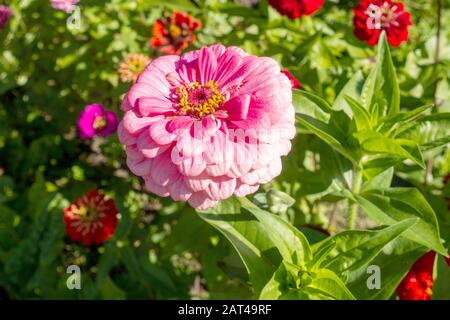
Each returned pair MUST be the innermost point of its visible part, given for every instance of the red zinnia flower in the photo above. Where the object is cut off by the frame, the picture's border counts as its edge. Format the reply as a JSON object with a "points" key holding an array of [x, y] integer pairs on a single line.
{"points": [[294, 81], [371, 17], [91, 219], [418, 283], [296, 8], [174, 33]]}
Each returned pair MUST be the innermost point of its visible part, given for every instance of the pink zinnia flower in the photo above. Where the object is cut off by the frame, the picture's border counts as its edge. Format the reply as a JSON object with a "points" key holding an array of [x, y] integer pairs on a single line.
{"points": [[208, 125], [64, 5], [5, 13], [95, 119]]}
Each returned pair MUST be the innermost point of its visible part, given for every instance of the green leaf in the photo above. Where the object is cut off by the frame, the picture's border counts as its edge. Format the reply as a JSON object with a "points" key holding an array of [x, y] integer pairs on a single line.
{"points": [[360, 115], [313, 235], [327, 283], [53, 240], [105, 263], [381, 86], [317, 100], [248, 237], [399, 120], [432, 131], [396, 204], [305, 105], [185, 5], [382, 180], [140, 270], [38, 197], [353, 249], [278, 201], [375, 143], [110, 291], [290, 242], [441, 287], [321, 250], [325, 132], [290, 282], [284, 277], [351, 89], [394, 262], [378, 165]]}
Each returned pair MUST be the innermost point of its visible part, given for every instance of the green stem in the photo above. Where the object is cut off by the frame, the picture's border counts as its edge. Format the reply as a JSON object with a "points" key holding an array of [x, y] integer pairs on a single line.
{"points": [[353, 208]]}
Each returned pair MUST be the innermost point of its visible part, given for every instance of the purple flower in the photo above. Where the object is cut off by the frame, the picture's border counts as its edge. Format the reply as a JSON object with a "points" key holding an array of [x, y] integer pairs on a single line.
{"points": [[5, 13], [95, 119]]}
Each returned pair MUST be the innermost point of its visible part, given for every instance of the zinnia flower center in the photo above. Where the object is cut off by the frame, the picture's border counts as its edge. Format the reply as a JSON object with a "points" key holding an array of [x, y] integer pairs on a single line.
{"points": [[99, 123], [384, 16], [132, 66], [87, 213], [199, 100], [175, 31]]}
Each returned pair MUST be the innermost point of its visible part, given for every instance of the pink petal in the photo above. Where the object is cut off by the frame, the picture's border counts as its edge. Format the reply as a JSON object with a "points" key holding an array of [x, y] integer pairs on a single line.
{"points": [[284, 147], [259, 176], [228, 64], [218, 155], [179, 191], [192, 166], [133, 124], [154, 105], [262, 153], [139, 167], [243, 189], [148, 147], [159, 133], [201, 201], [189, 146], [221, 189], [237, 107], [124, 137], [243, 161], [275, 167], [164, 172], [197, 184], [125, 106], [207, 64], [156, 188]]}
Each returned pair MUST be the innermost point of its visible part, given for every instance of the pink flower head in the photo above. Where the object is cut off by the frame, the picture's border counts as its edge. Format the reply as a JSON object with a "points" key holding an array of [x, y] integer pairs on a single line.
{"points": [[5, 13], [95, 119], [207, 125], [63, 5]]}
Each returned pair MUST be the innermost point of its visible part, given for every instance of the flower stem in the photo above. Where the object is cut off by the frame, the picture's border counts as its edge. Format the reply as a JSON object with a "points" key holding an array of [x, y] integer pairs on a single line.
{"points": [[353, 207]]}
